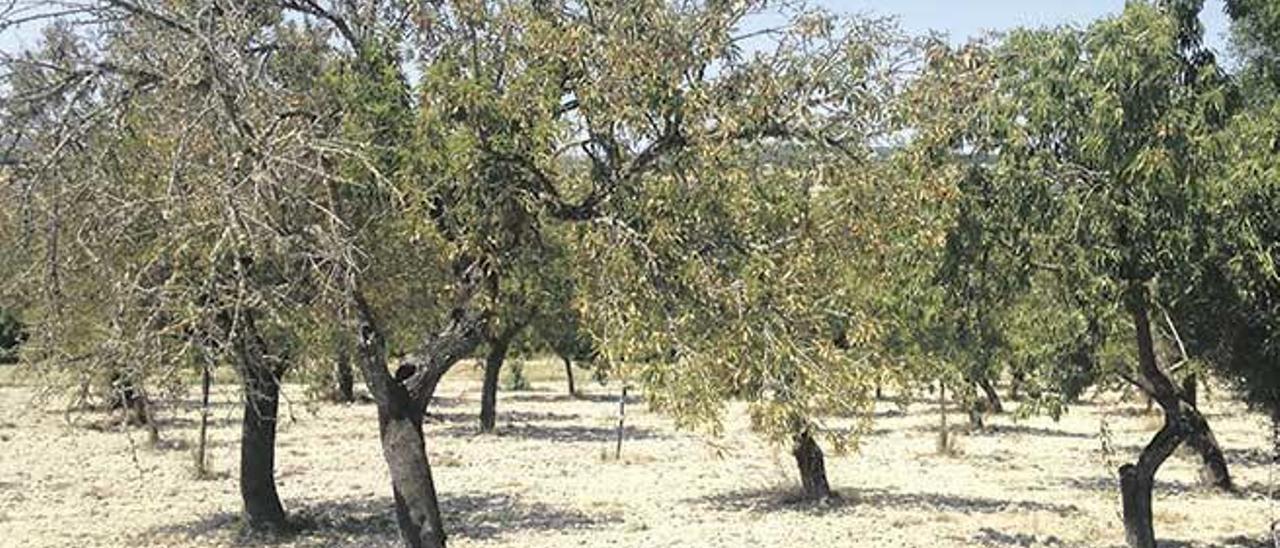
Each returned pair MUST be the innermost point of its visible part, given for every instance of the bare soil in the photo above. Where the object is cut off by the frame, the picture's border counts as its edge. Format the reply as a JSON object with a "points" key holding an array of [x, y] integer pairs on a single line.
{"points": [[547, 478]]}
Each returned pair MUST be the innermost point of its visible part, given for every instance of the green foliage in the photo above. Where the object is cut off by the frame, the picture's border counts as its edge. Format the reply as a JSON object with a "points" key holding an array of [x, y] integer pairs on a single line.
{"points": [[12, 333], [1084, 154], [515, 379]]}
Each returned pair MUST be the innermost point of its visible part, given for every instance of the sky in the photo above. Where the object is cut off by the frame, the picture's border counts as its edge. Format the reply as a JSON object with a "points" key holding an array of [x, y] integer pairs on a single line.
{"points": [[960, 19]]}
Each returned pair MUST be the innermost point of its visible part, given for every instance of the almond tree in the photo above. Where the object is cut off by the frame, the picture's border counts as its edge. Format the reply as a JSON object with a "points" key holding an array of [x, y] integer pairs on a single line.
{"points": [[1102, 133]]}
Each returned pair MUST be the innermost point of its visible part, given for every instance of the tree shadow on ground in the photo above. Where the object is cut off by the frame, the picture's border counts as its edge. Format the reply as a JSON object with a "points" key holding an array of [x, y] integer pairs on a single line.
{"points": [[991, 537], [548, 397], [1248, 457], [995, 430], [1239, 541], [371, 522], [560, 434], [504, 416], [1163, 487], [1027, 430], [776, 500]]}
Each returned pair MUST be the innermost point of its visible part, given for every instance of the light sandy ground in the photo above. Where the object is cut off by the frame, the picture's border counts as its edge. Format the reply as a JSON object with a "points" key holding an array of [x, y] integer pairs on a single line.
{"points": [[543, 481]]}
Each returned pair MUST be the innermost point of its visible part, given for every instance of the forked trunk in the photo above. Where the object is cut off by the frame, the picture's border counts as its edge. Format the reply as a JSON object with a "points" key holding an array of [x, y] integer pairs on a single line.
{"points": [[813, 469], [1137, 480], [400, 414]]}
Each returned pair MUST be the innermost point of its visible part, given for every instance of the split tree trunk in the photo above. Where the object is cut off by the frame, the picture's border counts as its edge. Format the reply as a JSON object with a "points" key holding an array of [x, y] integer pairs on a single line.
{"points": [[402, 404], [405, 450], [1213, 463], [1182, 421], [813, 470]]}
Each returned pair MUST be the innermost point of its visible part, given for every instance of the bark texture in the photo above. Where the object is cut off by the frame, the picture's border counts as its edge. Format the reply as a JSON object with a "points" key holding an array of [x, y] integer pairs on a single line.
{"points": [[262, 507], [402, 403], [813, 469], [493, 361]]}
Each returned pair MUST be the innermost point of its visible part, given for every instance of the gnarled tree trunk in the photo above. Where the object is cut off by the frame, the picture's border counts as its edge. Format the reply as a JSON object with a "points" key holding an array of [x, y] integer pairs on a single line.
{"points": [[402, 403], [813, 469], [1138, 480], [1182, 421], [1214, 471]]}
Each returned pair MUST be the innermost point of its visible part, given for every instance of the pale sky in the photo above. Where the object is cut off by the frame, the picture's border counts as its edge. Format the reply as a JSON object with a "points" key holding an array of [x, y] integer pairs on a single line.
{"points": [[960, 19]]}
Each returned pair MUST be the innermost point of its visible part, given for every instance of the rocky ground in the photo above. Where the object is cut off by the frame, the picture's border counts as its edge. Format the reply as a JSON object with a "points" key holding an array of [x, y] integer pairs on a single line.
{"points": [[546, 478]]}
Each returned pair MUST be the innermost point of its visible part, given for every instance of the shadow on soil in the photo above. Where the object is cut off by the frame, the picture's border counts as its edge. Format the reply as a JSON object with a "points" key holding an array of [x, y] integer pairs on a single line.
{"points": [[371, 522], [1165, 487], [552, 433], [991, 537], [1240, 541], [470, 418], [547, 397], [774, 500]]}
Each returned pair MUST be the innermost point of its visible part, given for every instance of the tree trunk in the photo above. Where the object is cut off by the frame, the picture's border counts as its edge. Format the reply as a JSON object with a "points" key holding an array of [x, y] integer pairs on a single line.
{"points": [[127, 395], [404, 448], [262, 508], [1213, 468], [568, 374], [813, 470], [1189, 391], [622, 417], [1137, 481], [1160, 389], [261, 383], [400, 414], [202, 444], [944, 432], [344, 377], [492, 369], [993, 398]]}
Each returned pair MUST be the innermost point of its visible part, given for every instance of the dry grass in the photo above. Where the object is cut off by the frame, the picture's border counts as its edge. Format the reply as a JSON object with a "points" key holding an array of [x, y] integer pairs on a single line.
{"points": [[542, 482]]}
